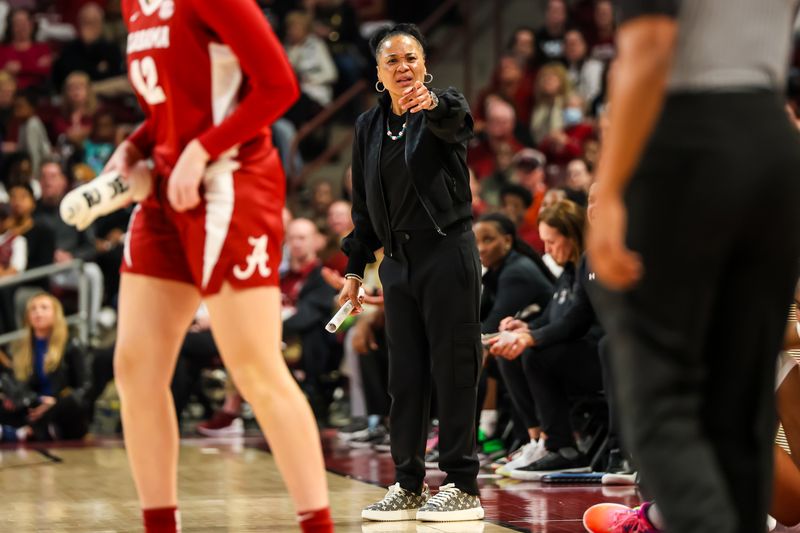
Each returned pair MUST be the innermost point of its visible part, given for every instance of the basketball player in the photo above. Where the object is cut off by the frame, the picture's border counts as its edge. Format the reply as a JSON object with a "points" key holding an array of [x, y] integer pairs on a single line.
{"points": [[210, 79]]}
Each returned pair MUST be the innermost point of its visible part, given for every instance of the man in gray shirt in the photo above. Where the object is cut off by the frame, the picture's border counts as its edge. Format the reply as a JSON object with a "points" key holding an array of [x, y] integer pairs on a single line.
{"points": [[697, 236]]}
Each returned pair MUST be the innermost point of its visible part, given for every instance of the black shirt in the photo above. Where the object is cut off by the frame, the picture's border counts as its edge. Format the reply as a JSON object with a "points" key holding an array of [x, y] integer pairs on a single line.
{"points": [[406, 212]]}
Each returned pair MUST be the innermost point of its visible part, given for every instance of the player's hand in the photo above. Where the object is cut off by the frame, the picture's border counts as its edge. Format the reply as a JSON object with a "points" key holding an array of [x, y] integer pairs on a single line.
{"points": [[416, 98], [350, 292], [616, 266], [123, 159], [183, 187]]}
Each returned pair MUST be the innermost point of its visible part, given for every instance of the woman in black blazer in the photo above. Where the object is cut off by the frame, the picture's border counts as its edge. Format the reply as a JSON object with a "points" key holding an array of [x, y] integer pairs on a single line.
{"points": [[411, 196], [51, 378]]}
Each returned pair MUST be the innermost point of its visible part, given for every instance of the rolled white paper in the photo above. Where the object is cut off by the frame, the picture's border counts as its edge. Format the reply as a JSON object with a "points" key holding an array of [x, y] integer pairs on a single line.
{"points": [[343, 312]]}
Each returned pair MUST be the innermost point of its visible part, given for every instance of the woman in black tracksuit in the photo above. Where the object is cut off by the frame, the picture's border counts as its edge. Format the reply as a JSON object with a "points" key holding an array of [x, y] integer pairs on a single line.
{"points": [[411, 196], [516, 279]]}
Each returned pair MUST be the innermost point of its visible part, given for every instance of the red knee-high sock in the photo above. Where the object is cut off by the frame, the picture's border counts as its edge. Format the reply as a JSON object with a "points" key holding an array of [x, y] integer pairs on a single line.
{"points": [[162, 520], [318, 521]]}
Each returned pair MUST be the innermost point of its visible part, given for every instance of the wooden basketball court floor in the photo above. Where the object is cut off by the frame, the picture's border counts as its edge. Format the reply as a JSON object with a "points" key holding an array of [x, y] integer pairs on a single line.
{"points": [[233, 486]]}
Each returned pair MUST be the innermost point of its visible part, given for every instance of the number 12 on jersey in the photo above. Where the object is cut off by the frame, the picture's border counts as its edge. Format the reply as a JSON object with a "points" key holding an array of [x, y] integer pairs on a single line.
{"points": [[144, 76]]}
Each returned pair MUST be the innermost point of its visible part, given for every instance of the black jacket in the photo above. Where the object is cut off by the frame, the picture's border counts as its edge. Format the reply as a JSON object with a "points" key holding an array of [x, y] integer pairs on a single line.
{"points": [[513, 286], [570, 315], [313, 306], [436, 155], [70, 378]]}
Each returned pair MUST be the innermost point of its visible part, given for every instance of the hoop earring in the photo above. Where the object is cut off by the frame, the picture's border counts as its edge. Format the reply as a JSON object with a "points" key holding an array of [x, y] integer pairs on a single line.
{"points": [[426, 80], [381, 84]]}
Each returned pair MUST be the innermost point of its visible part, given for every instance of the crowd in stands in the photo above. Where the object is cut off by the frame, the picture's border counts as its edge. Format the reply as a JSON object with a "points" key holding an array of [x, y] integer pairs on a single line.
{"points": [[65, 104]]}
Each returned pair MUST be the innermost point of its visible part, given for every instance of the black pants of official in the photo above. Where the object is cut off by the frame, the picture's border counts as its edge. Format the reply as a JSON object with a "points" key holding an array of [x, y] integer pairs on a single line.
{"points": [[713, 211], [555, 374], [431, 287]]}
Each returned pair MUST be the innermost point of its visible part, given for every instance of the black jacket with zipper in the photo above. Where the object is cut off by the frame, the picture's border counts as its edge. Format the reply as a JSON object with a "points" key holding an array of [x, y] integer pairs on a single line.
{"points": [[436, 156]]}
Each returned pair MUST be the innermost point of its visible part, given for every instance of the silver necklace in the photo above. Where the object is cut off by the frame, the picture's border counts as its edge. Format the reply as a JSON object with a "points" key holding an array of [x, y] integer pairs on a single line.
{"points": [[399, 135]]}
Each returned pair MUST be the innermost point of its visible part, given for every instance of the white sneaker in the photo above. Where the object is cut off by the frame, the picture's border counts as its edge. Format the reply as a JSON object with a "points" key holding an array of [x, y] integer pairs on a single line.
{"points": [[531, 452]]}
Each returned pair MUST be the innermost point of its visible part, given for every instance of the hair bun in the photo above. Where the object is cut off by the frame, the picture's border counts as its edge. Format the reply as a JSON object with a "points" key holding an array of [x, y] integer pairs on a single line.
{"points": [[384, 33]]}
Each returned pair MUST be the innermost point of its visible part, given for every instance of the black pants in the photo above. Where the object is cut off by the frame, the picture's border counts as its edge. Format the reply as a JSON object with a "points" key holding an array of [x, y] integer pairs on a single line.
{"points": [[613, 441], [66, 420], [519, 390], [713, 211], [555, 374], [431, 287]]}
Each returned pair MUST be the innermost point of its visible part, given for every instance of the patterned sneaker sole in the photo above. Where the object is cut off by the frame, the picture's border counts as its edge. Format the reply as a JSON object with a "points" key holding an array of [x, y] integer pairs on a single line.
{"points": [[524, 475], [476, 513], [389, 516]]}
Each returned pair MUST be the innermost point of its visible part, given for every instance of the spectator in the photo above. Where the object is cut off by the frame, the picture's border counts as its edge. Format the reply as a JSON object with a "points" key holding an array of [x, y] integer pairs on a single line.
{"points": [[13, 247], [602, 34], [40, 239], [523, 46], [528, 171], [50, 369], [479, 205], [97, 149], [585, 73], [90, 52], [552, 197], [497, 136], [8, 88], [29, 62], [307, 303], [339, 224], [578, 181], [511, 83], [310, 59], [32, 135], [552, 88], [550, 37], [73, 124], [562, 146], [515, 200]]}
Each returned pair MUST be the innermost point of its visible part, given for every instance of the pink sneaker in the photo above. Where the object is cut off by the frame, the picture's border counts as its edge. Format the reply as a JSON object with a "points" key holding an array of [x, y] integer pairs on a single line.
{"points": [[616, 518]]}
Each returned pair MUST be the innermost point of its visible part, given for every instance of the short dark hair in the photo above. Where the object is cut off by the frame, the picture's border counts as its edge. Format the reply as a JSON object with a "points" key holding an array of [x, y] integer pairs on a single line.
{"points": [[412, 30], [22, 185], [519, 191]]}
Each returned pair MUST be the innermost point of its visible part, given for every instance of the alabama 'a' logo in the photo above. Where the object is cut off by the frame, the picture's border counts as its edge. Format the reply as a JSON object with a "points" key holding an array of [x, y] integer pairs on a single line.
{"points": [[257, 260]]}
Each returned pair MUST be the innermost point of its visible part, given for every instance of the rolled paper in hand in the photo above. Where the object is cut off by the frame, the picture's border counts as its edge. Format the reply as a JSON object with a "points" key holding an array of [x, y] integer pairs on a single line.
{"points": [[343, 312]]}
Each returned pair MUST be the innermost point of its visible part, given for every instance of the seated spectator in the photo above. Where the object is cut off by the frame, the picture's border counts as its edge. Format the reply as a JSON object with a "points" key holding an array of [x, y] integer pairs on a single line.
{"points": [[552, 197], [32, 135], [528, 171], [550, 37], [28, 61], [307, 304], [497, 137], [516, 278], [15, 167], [564, 144], [560, 348], [523, 46], [72, 125], [13, 246], [8, 88], [601, 36], [552, 88], [339, 224], [100, 144], [320, 201], [50, 369], [109, 245], [511, 83], [90, 52], [578, 181], [585, 73], [40, 239], [310, 59], [515, 201]]}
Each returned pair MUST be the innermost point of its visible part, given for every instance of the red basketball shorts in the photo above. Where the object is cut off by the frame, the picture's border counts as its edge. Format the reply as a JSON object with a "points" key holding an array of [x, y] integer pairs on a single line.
{"points": [[234, 235]]}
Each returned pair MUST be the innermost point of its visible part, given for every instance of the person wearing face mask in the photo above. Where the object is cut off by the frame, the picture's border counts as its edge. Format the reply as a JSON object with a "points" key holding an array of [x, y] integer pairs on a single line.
{"points": [[430, 274], [564, 145]]}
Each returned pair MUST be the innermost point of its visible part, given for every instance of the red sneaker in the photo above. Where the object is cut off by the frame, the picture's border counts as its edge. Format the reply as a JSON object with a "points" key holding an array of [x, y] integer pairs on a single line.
{"points": [[616, 518], [222, 424]]}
